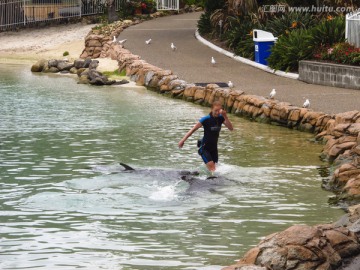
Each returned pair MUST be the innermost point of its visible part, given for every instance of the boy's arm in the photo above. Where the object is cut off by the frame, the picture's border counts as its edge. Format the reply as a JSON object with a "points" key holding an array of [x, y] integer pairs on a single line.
{"points": [[189, 133], [227, 121]]}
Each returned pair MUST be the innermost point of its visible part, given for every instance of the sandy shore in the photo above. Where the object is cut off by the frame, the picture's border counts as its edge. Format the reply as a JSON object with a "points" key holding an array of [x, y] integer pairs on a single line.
{"points": [[29, 45]]}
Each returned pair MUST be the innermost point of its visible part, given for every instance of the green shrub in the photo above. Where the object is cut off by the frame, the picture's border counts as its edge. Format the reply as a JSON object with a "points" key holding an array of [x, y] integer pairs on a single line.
{"points": [[290, 49], [66, 53], [245, 48], [204, 24], [239, 29], [329, 31], [290, 21]]}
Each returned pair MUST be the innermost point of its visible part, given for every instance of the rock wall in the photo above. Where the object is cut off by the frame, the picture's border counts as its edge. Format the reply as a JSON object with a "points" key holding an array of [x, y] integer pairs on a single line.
{"points": [[329, 74], [99, 39]]}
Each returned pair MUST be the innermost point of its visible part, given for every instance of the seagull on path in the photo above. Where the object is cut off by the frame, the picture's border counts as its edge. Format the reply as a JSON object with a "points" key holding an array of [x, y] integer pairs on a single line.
{"points": [[230, 84], [213, 62], [122, 42], [148, 41], [272, 93], [173, 47], [306, 104]]}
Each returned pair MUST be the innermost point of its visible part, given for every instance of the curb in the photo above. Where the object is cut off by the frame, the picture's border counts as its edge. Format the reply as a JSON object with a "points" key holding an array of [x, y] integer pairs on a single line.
{"points": [[288, 75]]}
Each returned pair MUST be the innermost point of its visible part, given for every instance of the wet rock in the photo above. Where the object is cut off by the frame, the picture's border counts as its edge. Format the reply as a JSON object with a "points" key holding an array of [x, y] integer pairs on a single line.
{"points": [[121, 82], [73, 70], [79, 63], [52, 63], [303, 247], [53, 70], [64, 65], [87, 62], [94, 64], [177, 84], [83, 79], [38, 66]]}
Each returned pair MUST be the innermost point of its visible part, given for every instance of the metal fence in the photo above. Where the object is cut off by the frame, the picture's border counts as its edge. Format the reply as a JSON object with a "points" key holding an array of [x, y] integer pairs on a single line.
{"points": [[22, 12], [352, 33], [167, 4]]}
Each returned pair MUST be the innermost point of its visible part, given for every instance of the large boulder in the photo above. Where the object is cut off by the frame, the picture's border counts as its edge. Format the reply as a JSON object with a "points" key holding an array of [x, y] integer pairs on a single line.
{"points": [[38, 66], [79, 63], [303, 247], [64, 65]]}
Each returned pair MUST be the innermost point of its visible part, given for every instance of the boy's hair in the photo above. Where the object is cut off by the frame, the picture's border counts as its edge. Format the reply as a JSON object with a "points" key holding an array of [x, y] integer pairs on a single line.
{"points": [[216, 103]]}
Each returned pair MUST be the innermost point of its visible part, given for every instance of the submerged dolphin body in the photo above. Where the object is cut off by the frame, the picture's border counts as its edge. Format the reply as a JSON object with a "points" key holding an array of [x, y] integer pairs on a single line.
{"points": [[193, 178], [124, 168]]}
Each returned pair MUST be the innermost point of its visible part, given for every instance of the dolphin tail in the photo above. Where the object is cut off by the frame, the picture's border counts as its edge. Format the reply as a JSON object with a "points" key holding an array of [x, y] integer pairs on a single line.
{"points": [[127, 167]]}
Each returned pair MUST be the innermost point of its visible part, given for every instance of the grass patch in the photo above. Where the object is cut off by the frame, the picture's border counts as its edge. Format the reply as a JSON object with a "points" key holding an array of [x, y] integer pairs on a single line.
{"points": [[115, 73]]}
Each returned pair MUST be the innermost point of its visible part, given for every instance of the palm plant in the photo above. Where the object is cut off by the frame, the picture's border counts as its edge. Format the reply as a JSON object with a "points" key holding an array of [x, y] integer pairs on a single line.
{"points": [[242, 7]]}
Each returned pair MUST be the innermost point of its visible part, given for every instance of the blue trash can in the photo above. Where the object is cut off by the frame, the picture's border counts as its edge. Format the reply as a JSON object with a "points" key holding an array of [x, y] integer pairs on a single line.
{"points": [[263, 42]]}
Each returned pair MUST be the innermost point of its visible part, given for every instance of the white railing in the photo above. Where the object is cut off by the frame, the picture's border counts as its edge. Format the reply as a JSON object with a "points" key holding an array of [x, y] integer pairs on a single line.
{"points": [[352, 32], [167, 4], [22, 12]]}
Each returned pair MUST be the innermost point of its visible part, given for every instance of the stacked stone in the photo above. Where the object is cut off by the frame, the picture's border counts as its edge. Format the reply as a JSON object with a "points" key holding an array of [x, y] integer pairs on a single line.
{"points": [[98, 41], [85, 69], [342, 136], [53, 66], [320, 247]]}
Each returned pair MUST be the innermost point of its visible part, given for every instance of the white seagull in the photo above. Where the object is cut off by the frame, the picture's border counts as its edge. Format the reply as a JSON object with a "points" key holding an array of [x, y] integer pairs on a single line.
{"points": [[114, 39], [122, 42], [306, 104], [173, 47], [213, 62], [148, 41], [272, 93], [230, 84]]}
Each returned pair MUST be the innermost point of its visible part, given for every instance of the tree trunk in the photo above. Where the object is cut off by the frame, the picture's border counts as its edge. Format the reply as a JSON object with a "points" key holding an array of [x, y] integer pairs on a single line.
{"points": [[111, 9]]}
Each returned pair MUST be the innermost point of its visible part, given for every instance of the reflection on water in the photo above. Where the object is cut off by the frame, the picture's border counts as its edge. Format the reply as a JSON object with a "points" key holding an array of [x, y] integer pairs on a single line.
{"points": [[59, 213]]}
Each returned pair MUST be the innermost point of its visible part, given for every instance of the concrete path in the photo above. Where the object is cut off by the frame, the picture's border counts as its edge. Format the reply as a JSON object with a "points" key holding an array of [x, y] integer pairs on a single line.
{"points": [[191, 62]]}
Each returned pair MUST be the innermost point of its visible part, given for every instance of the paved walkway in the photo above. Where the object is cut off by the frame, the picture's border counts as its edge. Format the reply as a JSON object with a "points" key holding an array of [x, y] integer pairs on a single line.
{"points": [[191, 62]]}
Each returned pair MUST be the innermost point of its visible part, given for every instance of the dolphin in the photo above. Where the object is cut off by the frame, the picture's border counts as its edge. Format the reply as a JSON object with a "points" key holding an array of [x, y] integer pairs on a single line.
{"points": [[124, 168], [196, 182]]}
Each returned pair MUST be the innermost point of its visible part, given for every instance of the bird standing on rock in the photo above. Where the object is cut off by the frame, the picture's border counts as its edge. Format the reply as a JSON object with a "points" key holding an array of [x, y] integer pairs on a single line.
{"points": [[306, 104], [114, 39], [213, 62], [173, 47], [272, 93], [148, 41], [230, 84]]}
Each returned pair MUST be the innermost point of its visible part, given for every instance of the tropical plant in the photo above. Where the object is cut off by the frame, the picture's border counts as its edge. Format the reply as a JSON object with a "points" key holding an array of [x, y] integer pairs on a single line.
{"points": [[242, 7], [290, 49], [289, 21], [329, 31], [245, 47], [204, 24], [239, 29]]}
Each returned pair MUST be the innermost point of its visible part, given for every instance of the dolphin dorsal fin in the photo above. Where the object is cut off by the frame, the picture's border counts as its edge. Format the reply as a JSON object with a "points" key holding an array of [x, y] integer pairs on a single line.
{"points": [[127, 167]]}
